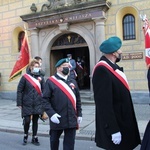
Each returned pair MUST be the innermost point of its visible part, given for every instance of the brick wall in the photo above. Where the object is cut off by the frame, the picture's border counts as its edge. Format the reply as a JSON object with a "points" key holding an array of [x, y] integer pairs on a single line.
{"points": [[135, 70], [11, 10]]}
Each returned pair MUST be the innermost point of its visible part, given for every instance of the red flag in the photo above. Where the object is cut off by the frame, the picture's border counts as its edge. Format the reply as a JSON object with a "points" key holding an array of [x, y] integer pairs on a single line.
{"points": [[22, 62], [146, 29]]}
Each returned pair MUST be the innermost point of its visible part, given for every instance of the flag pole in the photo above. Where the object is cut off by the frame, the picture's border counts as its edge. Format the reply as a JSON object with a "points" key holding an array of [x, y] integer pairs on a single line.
{"points": [[23, 59], [146, 31], [26, 34]]}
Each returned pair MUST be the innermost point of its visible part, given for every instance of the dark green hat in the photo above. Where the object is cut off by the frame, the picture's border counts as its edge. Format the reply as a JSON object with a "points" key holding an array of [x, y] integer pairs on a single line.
{"points": [[110, 45], [61, 61]]}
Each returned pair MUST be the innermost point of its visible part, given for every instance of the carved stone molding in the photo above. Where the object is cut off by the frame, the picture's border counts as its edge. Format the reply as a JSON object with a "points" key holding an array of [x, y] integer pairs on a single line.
{"points": [[72, 14], [63, 27]]}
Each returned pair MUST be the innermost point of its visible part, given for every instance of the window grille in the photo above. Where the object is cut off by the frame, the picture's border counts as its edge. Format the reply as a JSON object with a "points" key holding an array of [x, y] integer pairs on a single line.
{"points": [[129, 27]]}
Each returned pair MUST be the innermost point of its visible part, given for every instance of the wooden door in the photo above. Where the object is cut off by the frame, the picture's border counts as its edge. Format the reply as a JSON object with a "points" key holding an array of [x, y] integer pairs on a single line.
{"points": [[55, 55]]}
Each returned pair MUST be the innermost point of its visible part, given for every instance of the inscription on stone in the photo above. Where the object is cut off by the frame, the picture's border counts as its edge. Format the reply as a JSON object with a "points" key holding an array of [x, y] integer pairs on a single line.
{"points": [[53, 20], [130, 56]]}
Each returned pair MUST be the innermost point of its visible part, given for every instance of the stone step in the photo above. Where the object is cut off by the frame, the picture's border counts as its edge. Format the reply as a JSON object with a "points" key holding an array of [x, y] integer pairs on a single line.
{"points": [[138, 97], [86, 95]]}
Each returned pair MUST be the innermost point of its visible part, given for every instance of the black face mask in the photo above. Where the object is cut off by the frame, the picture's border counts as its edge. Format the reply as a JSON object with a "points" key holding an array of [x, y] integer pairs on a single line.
{"points": [[118, 58], [65, 70]]}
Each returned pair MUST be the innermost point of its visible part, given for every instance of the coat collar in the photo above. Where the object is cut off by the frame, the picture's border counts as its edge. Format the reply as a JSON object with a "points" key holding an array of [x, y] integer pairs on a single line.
{"points": [[59, 77], [114, 66]]}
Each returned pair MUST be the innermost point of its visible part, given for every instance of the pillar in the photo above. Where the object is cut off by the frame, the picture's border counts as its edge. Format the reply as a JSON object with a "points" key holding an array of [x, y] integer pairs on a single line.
{"points": [[99, 36], [34, 42]]}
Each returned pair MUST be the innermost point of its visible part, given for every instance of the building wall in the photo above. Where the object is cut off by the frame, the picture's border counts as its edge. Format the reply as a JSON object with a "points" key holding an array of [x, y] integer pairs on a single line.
{"points": [[11, 10], [135, 70]]}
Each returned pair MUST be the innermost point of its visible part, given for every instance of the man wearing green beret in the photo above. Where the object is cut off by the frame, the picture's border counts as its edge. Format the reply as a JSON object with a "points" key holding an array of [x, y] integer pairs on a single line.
{"points": [[116, 125], [61, 101]]}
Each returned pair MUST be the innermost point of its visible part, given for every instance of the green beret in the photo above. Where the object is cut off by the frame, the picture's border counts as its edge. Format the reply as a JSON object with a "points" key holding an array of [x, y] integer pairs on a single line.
{"points": [[61, 61], [110, 45]]}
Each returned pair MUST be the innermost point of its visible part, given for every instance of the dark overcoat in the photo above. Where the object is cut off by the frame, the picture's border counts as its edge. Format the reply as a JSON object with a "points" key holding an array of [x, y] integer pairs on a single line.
{"points": [[146, 139], [114, 110], [56, 101], [28, 97], [72, 69]]}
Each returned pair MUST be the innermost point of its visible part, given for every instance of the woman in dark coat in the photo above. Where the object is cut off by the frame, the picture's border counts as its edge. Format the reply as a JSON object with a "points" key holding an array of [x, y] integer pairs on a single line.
{"points": [[29, 99], [116, 125]]}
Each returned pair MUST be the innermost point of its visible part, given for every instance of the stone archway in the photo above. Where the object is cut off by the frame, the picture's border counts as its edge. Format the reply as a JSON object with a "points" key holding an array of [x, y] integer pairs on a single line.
{"points": [[49, 39], [74, 44]]}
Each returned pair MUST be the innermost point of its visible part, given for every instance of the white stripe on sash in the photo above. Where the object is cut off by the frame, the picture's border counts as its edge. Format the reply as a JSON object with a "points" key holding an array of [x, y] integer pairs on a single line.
{"points": [[120, 73], [117, 71], [66, 87], [35, 81]]}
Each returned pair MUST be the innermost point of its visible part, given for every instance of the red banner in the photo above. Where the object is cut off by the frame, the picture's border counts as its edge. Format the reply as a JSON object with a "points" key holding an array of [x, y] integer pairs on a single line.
{"points": [[146, 29], [22, 62]]}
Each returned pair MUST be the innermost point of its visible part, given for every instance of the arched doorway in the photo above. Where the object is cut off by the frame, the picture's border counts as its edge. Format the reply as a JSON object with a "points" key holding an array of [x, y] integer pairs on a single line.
{"points": [[74, 44]]}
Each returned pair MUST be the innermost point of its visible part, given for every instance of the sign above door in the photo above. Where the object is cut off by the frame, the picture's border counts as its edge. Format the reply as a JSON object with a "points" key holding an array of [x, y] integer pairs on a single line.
{"points": [[70, 14]]}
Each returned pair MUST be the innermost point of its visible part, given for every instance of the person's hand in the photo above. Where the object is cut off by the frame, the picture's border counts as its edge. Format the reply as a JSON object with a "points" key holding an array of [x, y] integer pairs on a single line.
{"points": [[79, 119], [20, 107], [55, 119], [116, 138]]}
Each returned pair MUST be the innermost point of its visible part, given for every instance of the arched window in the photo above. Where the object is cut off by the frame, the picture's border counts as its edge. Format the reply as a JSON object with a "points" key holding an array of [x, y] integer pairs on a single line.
{"points": [[129, 27], [20, 39]]}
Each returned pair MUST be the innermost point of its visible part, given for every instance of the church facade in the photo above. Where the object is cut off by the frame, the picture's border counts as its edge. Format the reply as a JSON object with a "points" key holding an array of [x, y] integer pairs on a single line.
{"points": [[56, 28]]}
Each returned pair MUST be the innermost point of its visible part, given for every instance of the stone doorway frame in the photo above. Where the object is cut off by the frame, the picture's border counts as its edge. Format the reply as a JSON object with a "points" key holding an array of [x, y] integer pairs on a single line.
{"points": [[47, 42], [43, 39]]}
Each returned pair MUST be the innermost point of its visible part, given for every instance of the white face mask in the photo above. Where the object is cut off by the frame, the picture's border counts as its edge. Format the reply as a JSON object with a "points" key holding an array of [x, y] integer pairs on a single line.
{"points": [[36, 70]]}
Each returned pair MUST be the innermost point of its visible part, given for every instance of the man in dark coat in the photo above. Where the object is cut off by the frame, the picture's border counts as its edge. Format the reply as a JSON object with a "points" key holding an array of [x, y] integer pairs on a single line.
{"points": [[72, 66], [146, 139], [61, 101], [116, 125]]}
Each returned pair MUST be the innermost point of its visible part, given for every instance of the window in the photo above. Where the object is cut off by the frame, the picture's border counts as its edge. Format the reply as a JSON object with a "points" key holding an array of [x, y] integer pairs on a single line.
{"points": [[129, 27], [20, 40]]}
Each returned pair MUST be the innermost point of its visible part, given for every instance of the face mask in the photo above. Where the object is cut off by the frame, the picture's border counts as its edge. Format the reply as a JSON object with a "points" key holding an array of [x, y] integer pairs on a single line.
{"points": [[65, 70], [118, 58], [36, 70]]}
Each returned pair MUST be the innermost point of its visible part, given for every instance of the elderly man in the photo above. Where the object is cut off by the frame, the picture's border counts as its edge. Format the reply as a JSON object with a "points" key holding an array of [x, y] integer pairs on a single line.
{"points": [[116, 125], [61, 101]]}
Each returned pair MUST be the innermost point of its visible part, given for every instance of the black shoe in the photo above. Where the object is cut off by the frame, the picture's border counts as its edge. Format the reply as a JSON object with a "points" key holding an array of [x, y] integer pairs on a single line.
{"points": [[35, 141], [25, 140]]}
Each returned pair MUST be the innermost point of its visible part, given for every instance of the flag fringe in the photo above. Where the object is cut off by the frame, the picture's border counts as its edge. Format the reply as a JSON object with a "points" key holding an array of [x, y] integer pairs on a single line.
{"points": [[16, 75]]}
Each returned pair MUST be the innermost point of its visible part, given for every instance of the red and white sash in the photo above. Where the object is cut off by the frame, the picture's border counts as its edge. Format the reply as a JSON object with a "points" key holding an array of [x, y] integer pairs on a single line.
{"points": [[79, 65], [119, 74], [70, 66], [34, 82], [66, 89]]}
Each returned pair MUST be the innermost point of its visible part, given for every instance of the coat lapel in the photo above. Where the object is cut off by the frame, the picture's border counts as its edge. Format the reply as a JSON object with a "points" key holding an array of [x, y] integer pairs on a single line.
{"points": [[65, 88], [119, 74]]}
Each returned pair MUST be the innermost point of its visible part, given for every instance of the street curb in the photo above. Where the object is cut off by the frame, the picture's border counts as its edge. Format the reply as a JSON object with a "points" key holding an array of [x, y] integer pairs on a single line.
{"points": [[80, 137]]}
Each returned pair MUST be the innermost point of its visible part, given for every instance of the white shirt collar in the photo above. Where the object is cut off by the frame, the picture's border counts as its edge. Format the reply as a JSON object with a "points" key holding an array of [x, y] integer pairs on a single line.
{"points": [[64, 77], [111, 61]]}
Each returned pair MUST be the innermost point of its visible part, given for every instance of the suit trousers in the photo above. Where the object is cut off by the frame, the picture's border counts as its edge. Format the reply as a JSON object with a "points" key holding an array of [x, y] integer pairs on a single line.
{"points": [[68, 141]]}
